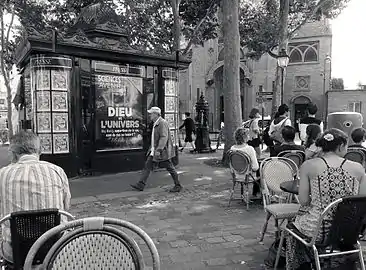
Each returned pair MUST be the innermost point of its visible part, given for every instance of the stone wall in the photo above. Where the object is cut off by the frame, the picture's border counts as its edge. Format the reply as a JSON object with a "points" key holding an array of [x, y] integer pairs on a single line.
{"points": [[339, 101]]}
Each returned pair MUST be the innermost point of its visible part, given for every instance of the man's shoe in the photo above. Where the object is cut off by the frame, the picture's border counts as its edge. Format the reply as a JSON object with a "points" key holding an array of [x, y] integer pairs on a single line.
{"points": [[181, 150], [176, 188], [139, 186]]}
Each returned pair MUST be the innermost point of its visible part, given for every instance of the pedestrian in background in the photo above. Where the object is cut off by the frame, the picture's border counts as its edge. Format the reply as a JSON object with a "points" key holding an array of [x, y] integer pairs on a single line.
{"points": [[221, 135], [189, 126], [161, 151]]}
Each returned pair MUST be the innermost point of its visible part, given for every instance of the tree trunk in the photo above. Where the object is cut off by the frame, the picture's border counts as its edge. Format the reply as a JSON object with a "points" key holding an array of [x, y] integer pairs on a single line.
{"points": [[283, 41], [176, 35], [10, 112], [231, 78]]}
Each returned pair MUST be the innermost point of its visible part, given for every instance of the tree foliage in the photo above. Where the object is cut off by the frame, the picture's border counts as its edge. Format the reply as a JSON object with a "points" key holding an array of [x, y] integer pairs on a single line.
{"points": [[337, 84], [260, 23]]}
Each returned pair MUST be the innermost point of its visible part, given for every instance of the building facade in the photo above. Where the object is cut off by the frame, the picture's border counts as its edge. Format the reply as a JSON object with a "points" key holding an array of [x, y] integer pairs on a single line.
{"points": [[347, 101], [307, 76]]}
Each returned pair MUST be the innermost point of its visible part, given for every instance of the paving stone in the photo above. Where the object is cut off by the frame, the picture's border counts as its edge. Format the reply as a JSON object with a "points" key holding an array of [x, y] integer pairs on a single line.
{"points": [[179, 243], [214, 240], [216, 261]]}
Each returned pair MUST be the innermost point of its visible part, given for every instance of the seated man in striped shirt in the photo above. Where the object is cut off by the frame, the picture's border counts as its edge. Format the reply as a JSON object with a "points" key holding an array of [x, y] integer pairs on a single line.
{"points": [[29, 184]]}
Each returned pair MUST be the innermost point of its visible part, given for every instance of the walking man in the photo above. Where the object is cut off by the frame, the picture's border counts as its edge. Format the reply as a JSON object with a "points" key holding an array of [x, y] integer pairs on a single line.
{"points": [[161, 151], [188, 124]]}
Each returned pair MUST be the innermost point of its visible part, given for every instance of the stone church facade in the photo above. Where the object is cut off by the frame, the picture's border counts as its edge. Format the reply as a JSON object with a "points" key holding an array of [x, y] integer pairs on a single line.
{"points": [[304, 81]]}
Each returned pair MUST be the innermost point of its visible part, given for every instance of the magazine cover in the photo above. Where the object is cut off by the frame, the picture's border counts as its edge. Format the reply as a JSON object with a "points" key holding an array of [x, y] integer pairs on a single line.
{"points": [[59, 80], [60, 143], [119, 118]]}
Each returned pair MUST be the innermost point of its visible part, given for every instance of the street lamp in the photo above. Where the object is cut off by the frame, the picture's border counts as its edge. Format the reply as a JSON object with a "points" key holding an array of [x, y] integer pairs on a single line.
{"points": [[282, 61], [326, 59]]}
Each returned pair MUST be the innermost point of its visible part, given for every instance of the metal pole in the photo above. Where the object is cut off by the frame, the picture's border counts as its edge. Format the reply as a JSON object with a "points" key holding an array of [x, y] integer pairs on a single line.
{"points": [[324, 98], [262, 122], [282, 79]]}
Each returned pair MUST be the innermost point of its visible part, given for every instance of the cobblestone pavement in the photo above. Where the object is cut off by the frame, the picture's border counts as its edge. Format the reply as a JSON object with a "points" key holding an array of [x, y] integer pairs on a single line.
{"points": [[194, 229]]}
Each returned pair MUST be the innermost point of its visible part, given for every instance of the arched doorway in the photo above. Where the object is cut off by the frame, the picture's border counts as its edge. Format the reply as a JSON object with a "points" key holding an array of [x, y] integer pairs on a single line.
{"points": [[300, 105]]}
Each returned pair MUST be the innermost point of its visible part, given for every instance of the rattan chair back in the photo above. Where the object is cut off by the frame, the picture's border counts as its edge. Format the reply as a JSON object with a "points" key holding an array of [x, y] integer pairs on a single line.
{"points": [[297, 156], [26, 227], [356, 155], [95, 243], [348, 222], [239, 162], [274, 171]]}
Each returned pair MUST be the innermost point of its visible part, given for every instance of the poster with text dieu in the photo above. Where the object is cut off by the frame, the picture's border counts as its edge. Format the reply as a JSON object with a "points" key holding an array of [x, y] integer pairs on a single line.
{"points": [[118, 112]]}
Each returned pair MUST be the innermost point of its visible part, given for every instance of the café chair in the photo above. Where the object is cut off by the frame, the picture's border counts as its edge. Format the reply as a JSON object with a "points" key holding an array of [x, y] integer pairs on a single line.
{"points": [[94, 243], [297, 156], [356, 154], [241, 172], [26, 227], [348, 221], [274, 171]]}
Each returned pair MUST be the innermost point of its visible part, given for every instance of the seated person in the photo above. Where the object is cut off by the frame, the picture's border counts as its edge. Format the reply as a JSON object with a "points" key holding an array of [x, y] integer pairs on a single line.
{"points": [[322, 181], [241, 137], [288, 134], [313, 131], [358, 136], [38, 184]]}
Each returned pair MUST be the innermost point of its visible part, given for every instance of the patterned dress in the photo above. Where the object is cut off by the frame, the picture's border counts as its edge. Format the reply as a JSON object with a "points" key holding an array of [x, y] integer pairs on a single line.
{"points": [[330, 185]]}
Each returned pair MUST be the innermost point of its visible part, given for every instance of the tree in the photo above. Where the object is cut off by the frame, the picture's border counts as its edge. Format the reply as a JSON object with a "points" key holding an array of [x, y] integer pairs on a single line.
{"points": [[231, 83], [337, 84], [263, 26], [361, 86], [7, 47]]}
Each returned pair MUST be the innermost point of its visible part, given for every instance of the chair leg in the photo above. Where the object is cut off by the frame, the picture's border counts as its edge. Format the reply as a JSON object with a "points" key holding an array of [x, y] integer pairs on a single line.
{"points": [[278, 255], [362, 263], [232, 192], [242, 191], [264, 230], [316, 258], [247, 195], [277, 233]]}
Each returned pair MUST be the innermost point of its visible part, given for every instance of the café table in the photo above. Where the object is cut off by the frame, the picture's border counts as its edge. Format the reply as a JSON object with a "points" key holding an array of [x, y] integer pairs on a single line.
{"points": [[290, 187]]}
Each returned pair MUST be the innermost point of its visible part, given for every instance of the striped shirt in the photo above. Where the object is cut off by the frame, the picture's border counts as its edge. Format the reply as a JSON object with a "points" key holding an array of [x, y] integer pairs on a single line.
{"points": [[31, 184]]}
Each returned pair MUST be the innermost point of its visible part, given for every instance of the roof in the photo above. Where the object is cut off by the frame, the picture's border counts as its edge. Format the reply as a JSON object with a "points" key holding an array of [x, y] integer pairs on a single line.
{"points": [[96, 34]]}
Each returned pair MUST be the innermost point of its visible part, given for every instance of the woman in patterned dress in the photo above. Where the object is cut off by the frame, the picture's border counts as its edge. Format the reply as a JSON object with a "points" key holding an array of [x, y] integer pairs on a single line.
{"points": [[323, 180]]}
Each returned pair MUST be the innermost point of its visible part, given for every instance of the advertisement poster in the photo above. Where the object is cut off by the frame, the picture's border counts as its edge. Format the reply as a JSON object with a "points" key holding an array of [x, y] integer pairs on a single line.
{"points": [[118, 112]]}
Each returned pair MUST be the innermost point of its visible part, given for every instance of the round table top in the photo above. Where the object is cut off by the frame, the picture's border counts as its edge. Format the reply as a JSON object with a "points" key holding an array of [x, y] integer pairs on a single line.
{"points": [[290, 186]]}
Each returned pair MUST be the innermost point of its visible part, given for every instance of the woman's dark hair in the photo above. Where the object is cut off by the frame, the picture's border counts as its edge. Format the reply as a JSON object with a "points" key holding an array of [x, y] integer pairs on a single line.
{"points": [[283, 109], [312, 131], [332, 139], [253, 113]]}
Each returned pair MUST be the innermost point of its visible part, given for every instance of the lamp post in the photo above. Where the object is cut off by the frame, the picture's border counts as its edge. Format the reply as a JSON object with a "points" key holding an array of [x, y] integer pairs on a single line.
{"points": [[326, 59], [282, 61]]}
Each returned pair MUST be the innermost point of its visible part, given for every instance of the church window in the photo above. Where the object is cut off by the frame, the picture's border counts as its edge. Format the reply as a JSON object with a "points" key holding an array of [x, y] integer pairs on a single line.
{"points": [[295, 56], [303, 52], [310, 55]]}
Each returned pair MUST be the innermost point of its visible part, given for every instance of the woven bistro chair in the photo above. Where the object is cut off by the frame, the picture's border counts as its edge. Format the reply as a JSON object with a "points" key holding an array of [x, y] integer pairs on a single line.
{"points": [[240, 167], [94, 243], [347, 224], [274, 171], [356, 154], [297, 156], [26, 227]]}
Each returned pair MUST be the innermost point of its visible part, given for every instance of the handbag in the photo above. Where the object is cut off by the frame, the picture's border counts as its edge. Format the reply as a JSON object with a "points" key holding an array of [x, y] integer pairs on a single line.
{"points": [[272, 253]]}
